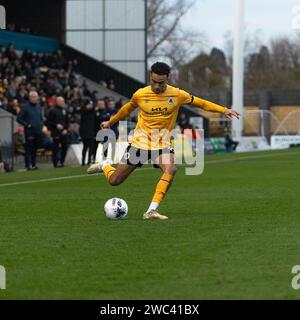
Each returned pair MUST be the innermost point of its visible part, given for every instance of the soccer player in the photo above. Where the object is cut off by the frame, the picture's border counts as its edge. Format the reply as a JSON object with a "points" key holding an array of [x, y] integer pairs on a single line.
{"points": [[159, 104]]}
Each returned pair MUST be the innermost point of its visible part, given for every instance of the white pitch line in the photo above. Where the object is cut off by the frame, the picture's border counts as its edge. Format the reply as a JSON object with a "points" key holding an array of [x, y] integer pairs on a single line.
{"points": [[42, 180], [53, 179], [141, 169]]}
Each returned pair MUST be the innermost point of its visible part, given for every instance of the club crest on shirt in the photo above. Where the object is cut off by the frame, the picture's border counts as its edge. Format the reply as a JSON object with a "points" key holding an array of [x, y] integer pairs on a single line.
{"points": [[170, 100]]}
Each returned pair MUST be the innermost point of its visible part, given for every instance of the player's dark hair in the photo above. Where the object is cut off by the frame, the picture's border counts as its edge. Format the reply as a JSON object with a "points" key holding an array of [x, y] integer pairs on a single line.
{"points": [[160, 68]]}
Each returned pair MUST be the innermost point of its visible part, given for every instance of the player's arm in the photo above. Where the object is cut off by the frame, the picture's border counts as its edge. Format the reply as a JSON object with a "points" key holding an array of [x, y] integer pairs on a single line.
{"points": [[123, 113], [213, 107], [207, 105]]}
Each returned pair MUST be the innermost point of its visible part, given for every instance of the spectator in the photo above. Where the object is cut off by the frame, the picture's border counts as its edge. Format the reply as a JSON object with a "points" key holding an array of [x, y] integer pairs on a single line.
{"points": [[15, 106], [87, 130], [71, 114], [47, 142], [19, 141], [57, 123], [111, 84], [111, 110], [4, 104], [100, 116], [183, 122], [10, 53], [31, 118], [73, 135], [230, 144], [120, 103]]}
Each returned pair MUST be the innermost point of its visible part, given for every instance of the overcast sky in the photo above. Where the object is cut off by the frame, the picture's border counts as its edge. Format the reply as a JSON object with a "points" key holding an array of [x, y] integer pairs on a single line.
{"points": [[271, 18]]}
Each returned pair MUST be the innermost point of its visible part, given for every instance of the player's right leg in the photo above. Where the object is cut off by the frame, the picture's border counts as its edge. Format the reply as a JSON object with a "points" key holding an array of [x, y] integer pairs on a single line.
{"points": [[114, 176]]}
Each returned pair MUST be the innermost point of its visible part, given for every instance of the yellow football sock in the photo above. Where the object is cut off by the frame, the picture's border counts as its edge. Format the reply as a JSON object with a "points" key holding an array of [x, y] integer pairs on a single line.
{"points": [[108, 170], [162, 187]]}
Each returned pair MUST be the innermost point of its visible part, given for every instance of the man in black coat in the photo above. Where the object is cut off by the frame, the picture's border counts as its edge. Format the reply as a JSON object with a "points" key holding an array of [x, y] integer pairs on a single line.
{"points": [[31, 118], [87, 130], [57, 123], [110, 135], [100, 116]]}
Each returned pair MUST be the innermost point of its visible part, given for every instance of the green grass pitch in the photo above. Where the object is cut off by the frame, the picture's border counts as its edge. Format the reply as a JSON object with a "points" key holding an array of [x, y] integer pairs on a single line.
{"points": [[233, 233]]}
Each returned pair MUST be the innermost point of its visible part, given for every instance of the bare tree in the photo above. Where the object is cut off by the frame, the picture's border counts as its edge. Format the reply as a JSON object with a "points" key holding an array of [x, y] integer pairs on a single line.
{"points": [[166, 37], [276, 66]]}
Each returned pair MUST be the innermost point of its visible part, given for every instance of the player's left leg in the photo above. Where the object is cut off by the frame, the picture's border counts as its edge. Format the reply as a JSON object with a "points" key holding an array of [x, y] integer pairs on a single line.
{"points": [[166, 162]]}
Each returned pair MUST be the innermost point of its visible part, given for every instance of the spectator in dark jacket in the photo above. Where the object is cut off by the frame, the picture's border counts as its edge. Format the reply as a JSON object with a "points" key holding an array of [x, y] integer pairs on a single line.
{"points": [[114, 131], [31, 118], [57, 123], [230, 144], [111, 110], [183, 122], [87, 130], [100, 116]]}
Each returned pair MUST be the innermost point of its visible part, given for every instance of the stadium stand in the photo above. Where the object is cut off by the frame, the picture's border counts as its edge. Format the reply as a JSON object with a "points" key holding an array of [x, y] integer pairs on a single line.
{"points": [[52, 75]]}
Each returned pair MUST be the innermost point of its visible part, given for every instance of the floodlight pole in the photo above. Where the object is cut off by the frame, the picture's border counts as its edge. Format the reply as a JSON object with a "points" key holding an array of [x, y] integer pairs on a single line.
{"points": [[238, 68]]}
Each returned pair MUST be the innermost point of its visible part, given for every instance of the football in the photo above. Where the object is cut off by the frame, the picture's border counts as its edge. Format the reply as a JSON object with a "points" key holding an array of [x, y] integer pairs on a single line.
{"points": [[116, 208]]}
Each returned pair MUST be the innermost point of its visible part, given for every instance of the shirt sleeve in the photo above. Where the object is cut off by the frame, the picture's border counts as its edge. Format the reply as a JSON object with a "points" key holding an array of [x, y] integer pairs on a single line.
{"points": [[185, 97], [207, 105]]}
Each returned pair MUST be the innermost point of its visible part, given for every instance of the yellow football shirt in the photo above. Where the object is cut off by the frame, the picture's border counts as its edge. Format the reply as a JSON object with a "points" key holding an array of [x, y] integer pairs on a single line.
{"points": [[157, 115]]}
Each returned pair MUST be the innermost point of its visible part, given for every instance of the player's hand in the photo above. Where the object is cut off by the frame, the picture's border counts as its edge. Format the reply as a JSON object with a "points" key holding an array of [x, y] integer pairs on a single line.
{"points": [[230, 114], [104, 125]]}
